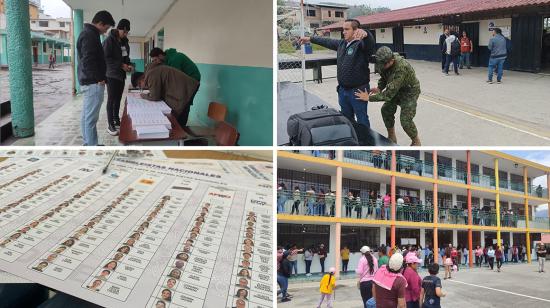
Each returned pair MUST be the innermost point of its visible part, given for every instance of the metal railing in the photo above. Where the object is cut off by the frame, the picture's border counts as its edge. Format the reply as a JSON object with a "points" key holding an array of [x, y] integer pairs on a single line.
{"points": [[305, 203], [538, 191]]}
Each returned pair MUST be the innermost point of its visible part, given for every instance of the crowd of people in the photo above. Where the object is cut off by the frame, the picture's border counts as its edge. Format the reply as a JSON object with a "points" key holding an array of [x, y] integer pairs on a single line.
{"points": [[457, 49], [388, 277], [377, 206]]}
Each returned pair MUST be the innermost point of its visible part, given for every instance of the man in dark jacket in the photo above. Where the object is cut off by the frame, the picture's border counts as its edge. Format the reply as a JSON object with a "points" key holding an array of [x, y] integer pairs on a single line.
{"points": [[91, 73], [443, 48], [285, 270], [117, 57], [353, 54]]}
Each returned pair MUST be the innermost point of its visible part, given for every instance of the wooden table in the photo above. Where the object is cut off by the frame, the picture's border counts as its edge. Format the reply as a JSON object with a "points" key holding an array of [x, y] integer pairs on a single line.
{"points": [[128, 135]]}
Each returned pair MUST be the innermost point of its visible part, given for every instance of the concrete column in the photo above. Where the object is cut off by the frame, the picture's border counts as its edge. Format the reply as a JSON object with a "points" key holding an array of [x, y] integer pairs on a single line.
{"points": [[422, 195], [435, 207], [455, 237], [527, 215], [392, 187], [511, 239], [482, 238], [339, 155], [338, 213], [338, 205], [454, 199], [469, 202], [383, 235], [78, 25], [481, 202], [509, 180], [20, 66], [423, 237], [382, 189], [497, 187]]}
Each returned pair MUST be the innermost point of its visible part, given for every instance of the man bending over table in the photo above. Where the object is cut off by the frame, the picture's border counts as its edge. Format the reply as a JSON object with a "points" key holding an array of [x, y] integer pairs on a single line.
{"points": [[168, 84]]}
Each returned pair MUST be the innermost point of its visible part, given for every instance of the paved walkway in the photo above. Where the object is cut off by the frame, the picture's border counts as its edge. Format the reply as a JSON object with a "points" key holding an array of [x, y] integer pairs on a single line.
{"points": [[515, 286], [462, 110]]}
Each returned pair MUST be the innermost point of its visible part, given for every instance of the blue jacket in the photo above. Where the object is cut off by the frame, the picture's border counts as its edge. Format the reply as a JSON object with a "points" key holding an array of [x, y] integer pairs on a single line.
{"points": [[497, 46]]}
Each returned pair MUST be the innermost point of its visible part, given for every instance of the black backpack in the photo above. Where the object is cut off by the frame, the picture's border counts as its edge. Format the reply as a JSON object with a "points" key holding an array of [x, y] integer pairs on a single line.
{"points": [[321, 127], [455, 47]]}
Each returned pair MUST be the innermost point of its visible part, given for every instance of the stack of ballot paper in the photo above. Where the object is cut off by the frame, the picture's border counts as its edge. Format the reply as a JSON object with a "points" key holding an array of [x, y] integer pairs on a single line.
{"points": [[152, 132], [149, 118]]}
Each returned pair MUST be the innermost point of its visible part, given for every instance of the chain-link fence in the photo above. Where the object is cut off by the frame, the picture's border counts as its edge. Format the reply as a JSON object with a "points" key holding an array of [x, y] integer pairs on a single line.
{"points": [[290, 54]]}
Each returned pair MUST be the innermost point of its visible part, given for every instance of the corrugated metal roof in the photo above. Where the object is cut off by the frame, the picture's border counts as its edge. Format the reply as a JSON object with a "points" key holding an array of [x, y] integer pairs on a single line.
{"points": [[442, 8]]}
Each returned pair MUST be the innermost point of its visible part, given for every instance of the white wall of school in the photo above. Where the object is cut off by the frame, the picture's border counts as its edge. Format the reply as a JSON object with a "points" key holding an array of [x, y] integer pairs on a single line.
{"points": [[237, 32], [485, 35], [385, 37], [422, 34]]}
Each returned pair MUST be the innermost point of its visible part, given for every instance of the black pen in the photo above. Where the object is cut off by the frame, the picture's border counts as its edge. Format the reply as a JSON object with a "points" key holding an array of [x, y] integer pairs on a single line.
{"points": [[110, 160]]}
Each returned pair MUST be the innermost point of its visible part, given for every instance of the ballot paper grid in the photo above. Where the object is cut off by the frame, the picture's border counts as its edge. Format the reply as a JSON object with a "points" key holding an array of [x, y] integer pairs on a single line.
{"points": [[252, 273], [69, 238]]}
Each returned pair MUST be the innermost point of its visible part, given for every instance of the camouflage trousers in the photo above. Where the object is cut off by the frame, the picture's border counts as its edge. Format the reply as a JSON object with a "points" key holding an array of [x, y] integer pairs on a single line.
{"points": [[408, 111]]}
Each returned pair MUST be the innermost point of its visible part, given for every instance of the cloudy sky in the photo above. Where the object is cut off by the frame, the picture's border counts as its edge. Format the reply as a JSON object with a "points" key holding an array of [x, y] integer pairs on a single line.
{"points": [[392, 4], [56, 8]]}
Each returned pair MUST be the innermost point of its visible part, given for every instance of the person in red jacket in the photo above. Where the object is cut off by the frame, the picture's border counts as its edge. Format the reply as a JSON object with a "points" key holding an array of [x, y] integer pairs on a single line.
{"points": [[466, 48]]}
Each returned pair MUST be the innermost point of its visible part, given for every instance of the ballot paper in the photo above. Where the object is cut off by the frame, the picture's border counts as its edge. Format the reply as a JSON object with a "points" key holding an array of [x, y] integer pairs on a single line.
{"points": [[147, 233], [155, 118], [152, 132], [137, 105]]}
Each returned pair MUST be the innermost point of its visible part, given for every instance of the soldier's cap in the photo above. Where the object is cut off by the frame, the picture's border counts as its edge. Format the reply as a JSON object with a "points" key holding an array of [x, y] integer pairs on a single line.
{"points": [[383, 55]]}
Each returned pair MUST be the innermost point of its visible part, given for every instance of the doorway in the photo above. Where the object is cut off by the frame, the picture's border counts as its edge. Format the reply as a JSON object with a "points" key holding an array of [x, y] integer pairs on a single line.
{"points": [[545, 56], [472, 30]]}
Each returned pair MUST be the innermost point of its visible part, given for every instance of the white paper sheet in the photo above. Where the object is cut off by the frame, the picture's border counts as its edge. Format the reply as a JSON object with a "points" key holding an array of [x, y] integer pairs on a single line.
{"points": [[122, 239]]}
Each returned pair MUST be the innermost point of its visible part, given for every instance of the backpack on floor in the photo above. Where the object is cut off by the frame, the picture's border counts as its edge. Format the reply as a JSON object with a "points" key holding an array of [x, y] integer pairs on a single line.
{"points": [[321, 127]]}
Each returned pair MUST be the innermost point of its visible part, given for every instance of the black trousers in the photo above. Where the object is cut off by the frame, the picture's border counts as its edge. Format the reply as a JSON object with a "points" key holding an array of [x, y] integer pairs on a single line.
{"points": [[295, 207], [499, 262], [366, 290], [115, 88], [491, 262], [184, 116], [345, 265], [443, 60]]}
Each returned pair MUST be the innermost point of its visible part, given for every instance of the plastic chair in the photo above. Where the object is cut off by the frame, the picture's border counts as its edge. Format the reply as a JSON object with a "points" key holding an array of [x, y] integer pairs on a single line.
{"points": [[217, 113], [226, 134]]}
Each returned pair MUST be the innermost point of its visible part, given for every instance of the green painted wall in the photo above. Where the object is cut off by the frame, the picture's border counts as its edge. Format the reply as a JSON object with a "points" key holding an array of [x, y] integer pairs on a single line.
{"points": [[140, 64], [248, 95]]}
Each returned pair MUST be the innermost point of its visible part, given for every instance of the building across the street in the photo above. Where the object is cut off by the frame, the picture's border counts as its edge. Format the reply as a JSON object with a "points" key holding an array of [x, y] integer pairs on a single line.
{"points": [[416, 30], [436, 198], [317, 13], [49, 35]]}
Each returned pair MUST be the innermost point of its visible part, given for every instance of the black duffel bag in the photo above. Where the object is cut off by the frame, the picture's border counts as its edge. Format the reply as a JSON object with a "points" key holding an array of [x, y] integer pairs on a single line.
{"points": [[322, 127]]}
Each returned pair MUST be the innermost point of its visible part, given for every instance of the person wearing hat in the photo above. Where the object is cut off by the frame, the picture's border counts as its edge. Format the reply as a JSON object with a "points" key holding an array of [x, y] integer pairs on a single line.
{"points": [[389, 284], [367, 266], [117, 58], [397, 86], [414, 282], [91, 73], [326, 287], [352, 65]]}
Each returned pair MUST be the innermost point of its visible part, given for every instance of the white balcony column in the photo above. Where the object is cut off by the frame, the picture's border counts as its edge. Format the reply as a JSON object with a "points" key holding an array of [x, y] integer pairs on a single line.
{"points": [[383, 235], [423, 237], [455, 238], [482, 238]]}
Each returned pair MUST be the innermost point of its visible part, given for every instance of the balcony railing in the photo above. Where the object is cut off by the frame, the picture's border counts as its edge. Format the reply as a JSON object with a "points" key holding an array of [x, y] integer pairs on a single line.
{"points": [[307, 203], [538, 191]]}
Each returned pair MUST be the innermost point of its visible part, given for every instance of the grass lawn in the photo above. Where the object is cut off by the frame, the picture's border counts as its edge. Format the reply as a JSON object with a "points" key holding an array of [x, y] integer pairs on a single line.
{"points": [[286, 47]]}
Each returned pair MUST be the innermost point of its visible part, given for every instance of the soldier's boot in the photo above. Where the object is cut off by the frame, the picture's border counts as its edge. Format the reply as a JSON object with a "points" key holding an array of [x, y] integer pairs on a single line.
{"points": [[391, 135], [416, 142]]}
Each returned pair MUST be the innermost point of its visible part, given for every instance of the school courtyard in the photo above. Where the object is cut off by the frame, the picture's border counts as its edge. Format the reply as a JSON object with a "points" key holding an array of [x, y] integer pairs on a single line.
{"points": [[517, 285], [455, 110]]}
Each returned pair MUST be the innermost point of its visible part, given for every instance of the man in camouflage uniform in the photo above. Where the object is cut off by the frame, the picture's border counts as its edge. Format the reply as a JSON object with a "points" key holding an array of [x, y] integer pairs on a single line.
{"points": [[398, 86]]}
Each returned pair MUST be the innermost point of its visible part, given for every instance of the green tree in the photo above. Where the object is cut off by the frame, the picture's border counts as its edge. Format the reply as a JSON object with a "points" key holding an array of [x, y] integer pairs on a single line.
{"points": [[364, 10]]}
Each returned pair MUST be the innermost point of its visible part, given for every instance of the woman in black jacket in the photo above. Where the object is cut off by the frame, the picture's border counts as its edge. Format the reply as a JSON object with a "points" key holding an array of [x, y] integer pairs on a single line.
{"points": [[117, 58]]}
